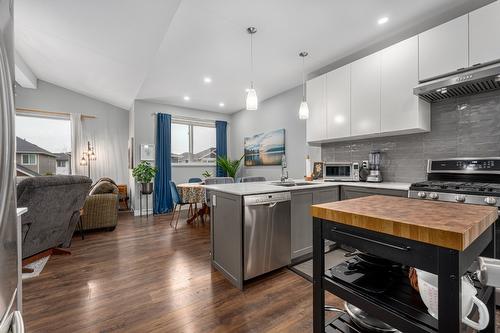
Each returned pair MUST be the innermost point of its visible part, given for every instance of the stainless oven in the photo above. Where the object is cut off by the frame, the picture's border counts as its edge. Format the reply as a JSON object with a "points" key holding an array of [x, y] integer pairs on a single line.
{"points": [[341, 171]]}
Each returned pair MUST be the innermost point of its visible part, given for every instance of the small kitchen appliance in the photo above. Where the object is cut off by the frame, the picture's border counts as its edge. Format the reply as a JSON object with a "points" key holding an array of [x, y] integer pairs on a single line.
{"points": [[375, 175], [341, 171]]}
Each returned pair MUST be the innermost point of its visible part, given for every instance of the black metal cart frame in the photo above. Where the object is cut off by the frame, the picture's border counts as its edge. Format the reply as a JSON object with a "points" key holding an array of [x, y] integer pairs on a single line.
{"points": [[448, 264]]}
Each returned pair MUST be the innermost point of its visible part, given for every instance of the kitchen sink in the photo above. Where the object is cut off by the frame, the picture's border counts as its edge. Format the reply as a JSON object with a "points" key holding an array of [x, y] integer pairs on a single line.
{"points": [[291, 184]]}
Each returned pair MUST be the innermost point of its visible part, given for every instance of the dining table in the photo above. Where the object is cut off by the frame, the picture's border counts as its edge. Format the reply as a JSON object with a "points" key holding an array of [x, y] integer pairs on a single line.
{"points": [[194, 193]]}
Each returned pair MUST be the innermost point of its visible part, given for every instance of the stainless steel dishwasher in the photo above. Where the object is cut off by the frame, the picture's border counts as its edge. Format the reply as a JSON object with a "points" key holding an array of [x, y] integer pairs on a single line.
{"points": [[266, 235]]}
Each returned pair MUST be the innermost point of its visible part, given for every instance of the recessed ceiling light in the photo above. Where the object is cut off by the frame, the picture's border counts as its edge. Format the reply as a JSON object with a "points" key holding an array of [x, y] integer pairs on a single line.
{"points": [[383, 20], [207, 79], [221, 104], [187, 98]]}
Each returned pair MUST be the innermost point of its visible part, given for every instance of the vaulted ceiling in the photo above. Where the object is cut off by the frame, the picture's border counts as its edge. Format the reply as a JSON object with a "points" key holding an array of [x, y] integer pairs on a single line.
{"points": [[161, 50]]}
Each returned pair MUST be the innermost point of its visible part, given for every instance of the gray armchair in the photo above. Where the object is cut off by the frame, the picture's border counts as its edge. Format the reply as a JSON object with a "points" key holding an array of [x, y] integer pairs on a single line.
{"points": [[54, 204]]}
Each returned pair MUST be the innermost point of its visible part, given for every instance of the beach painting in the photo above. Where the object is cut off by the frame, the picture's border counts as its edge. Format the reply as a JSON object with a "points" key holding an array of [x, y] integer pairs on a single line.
{"points": [[265, 148]]}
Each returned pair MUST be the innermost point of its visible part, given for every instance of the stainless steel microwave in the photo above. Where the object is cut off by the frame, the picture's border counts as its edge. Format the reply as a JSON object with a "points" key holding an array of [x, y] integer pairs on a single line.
{"points": [[341, 171]]}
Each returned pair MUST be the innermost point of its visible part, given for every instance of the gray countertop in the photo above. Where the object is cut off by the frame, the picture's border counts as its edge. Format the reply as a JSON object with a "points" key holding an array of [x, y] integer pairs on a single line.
{"points": [[268, 187]]}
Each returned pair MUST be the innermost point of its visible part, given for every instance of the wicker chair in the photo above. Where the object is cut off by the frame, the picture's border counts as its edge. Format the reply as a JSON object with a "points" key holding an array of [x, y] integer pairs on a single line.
{"points": [[101, 207]]}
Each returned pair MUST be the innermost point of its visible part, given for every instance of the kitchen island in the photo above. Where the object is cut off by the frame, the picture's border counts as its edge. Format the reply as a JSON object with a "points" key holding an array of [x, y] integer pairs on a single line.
{"points": [[438, 237], [236, 238]]}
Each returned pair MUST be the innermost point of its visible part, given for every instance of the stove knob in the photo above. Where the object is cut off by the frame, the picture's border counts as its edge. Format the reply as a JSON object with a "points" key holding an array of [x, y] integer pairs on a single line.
{"points": [[434, 196], [460, 198], [421, 195], [490, 201]]}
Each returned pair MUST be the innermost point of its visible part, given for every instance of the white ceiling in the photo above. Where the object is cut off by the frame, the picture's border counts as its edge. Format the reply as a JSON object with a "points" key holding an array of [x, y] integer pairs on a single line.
{"points": [[160, 50]]}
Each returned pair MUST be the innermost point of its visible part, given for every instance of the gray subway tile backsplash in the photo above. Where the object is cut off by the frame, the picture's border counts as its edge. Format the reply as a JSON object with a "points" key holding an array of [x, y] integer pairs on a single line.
{"points": [[472, 130]]}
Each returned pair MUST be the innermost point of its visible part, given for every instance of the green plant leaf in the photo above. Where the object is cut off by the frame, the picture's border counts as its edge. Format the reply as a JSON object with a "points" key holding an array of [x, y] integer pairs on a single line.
{"points": [[144, 172], [229, 166]]}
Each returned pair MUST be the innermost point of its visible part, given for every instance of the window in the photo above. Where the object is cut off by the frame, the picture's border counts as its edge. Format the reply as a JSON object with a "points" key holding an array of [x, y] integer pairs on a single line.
{"points": [[193, 143], [61, 164], [29, 159], [40, 139]]}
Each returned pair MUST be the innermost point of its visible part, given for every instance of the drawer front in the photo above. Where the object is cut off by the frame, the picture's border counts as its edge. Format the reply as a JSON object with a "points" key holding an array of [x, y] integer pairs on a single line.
{"points": [[352, 192], [398, 249]]}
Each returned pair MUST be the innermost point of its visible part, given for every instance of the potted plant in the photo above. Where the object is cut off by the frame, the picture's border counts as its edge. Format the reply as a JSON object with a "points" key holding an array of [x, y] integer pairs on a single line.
{"points": [[144, 173], [229, 166]]}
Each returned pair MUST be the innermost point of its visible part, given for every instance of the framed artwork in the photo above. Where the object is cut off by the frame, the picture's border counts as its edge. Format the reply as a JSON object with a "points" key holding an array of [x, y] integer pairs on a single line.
{"points": [[147, 152], [131, 153], [317, 170], [265, 148]]}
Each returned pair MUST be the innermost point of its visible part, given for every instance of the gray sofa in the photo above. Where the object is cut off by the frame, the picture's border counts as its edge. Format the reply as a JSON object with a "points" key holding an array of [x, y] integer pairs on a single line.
{"points": [[54, 204]]}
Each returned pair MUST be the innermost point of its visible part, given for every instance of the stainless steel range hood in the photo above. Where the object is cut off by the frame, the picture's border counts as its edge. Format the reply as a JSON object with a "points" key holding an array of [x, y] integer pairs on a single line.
{"points": [[470, 82]]}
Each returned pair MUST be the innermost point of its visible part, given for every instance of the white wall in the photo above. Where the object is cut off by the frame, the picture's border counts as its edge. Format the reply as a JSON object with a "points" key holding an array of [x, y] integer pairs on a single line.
{"points": [[144, 132], [280, 111], [110, 128]]}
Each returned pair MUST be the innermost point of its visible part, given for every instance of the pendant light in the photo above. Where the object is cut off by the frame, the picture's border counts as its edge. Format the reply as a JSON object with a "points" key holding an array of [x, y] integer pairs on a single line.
{"points": [[304, 108], [252, 101]]}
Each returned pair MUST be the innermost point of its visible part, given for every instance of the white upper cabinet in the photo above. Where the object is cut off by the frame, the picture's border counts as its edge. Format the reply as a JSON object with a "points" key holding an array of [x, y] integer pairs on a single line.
{"points": [[316, 100], [338, 103], [444, 49], [365, 96], [401, 110], [484, 40]]}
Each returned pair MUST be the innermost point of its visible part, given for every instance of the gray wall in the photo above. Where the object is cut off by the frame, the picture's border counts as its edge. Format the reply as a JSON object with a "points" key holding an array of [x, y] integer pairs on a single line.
{"points": [[110, 128], [143, 130], [472, 132], [280, 111]]}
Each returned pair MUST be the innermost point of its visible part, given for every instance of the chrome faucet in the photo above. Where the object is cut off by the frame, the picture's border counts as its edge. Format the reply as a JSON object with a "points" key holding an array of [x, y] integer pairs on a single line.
{"points": [[284, 173]]}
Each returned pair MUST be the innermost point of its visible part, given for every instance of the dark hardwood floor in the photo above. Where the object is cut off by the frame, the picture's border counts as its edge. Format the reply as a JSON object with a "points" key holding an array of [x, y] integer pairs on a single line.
{"points": [[146, 277]]}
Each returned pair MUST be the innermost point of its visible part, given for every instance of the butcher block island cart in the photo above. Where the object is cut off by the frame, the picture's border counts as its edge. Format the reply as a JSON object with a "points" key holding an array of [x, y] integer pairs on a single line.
{"points": [[437, 237]]}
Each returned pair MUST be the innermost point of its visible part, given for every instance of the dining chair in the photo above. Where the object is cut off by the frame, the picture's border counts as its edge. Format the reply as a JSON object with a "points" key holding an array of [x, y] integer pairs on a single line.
{"points": [[176, 199], [218, 180], [191, 210], [252, 179]]}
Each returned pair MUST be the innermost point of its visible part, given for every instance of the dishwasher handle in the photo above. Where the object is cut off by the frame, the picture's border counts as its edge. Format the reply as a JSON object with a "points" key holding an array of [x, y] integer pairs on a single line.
{"points": [[269, 199]]}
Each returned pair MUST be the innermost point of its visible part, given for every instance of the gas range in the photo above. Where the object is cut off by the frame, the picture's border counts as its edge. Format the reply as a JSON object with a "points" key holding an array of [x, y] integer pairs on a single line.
{"points": [[464, 180]]}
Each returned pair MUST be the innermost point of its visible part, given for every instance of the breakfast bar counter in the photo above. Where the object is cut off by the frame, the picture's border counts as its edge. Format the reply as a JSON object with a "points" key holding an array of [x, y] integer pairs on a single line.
{"points": [[437, 237]]}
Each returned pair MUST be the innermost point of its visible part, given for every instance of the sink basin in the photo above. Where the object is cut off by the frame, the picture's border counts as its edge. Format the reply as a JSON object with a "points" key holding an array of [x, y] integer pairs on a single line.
{"points": [[291, 184]]}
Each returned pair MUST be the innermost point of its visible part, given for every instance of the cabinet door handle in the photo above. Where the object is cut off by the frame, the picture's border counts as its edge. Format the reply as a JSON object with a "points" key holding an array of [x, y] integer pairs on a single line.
{"points": [[400, 248]]}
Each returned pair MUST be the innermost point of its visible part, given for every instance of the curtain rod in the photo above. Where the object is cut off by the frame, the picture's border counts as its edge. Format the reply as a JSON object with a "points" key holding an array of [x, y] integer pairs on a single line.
{"points": [[51, 113], [188, 118]]}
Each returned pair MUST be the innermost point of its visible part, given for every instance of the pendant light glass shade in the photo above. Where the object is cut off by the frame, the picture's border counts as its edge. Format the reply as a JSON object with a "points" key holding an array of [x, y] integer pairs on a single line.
{"points": [[252, 101], [304, 108], [303, 111]]}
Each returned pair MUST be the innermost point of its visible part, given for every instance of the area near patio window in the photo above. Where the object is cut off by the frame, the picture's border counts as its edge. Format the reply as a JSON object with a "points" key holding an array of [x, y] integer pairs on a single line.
{"points": [[193, 143]]}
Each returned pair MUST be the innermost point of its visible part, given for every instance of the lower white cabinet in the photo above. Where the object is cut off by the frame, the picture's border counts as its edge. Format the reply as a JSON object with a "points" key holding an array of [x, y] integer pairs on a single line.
{"points": [[365, 96], [401, 111]]}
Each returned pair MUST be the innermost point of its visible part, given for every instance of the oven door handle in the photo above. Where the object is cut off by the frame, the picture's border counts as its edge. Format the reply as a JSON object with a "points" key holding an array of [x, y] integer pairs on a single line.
{"points": [[396, 247]]}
